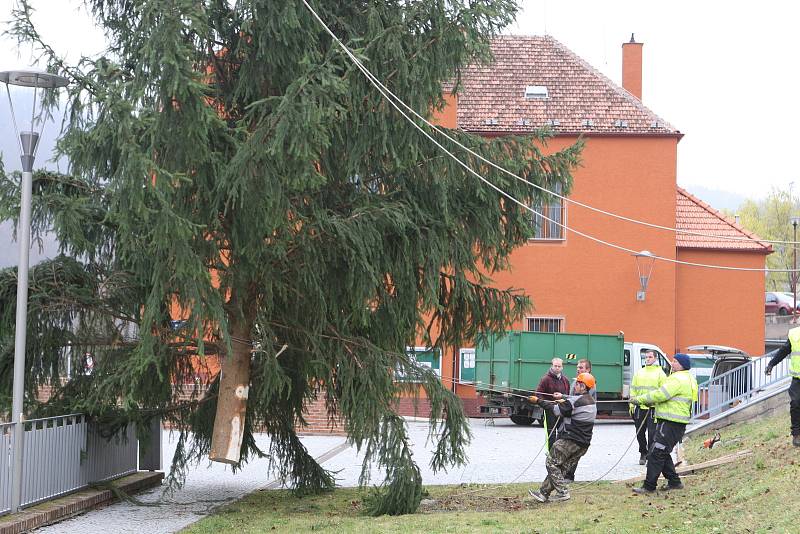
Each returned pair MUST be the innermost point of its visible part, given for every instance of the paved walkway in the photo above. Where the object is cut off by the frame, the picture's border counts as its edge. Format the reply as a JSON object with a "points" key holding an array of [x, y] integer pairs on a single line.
{"points": [[498, 453]]}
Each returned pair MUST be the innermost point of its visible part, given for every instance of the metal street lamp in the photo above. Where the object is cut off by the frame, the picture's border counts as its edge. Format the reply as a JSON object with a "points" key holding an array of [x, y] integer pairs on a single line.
{"points": [[644, 265], [29, 141], [795, 221]]}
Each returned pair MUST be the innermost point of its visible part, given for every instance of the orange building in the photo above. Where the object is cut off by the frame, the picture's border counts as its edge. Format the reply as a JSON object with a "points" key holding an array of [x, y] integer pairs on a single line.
{"points": [[629, 168]]}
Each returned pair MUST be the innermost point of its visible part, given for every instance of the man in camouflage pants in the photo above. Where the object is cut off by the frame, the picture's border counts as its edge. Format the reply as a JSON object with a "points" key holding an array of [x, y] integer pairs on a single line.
{"points": [[578, 413]]}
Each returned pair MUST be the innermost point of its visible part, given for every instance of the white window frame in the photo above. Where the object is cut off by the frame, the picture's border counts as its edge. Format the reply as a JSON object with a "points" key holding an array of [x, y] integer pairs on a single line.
{"points": [[555, 209], [461, 353], [530, 319]]}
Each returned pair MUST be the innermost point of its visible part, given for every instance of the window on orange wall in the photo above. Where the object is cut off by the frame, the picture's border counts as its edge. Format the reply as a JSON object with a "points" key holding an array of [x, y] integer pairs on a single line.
{"points": [[425, 357], [550, 216], [545, 324]]}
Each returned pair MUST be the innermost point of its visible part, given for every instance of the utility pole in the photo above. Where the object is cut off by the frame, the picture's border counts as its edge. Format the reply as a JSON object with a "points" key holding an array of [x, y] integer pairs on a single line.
{"points": [[794, 220]]}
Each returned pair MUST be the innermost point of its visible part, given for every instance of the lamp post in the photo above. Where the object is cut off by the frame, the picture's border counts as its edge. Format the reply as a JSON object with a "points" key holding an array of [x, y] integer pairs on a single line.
{"points": [[29, 141], [644, 266], [795, 220]]}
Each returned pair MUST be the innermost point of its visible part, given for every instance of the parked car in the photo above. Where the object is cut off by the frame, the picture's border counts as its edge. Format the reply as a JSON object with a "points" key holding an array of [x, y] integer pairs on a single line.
{"points": [[778, 303], [711, 360], [790, 296]]}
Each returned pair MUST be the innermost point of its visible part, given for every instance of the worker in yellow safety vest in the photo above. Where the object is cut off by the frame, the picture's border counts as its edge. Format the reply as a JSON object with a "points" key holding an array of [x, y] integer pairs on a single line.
{"points": [[791, 347], [673, 406], [648, 378]]}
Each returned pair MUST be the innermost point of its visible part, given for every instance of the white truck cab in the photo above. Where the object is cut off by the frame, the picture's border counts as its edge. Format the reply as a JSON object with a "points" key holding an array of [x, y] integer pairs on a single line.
{"points": [[634, 360]]}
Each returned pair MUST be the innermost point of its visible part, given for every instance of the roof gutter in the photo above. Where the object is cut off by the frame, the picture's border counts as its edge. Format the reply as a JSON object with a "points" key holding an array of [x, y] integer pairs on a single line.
{"points": [[765, 250], [487, 133]]}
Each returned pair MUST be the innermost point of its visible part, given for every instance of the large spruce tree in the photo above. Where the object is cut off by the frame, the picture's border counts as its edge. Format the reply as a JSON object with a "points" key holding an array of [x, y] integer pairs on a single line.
{"points": [[238, 188]]}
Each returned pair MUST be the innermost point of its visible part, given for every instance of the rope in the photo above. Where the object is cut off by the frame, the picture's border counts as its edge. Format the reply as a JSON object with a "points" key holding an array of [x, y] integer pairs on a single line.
{"points": [[545, 444], [524, 395], [496, 486], [635, 437]]}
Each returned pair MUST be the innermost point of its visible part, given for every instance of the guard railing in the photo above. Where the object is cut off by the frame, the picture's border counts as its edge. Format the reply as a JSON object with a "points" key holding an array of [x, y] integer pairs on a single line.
{"points": [[61, 455], [740, 384]]}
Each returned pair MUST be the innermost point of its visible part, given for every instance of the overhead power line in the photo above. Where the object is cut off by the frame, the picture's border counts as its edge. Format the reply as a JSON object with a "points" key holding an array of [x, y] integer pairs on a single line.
{"points": [[385, 93], [554, 193]]}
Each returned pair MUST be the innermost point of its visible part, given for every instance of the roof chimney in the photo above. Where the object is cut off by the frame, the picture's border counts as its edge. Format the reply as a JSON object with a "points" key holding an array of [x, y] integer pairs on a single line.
{"points": [[632, 67]]}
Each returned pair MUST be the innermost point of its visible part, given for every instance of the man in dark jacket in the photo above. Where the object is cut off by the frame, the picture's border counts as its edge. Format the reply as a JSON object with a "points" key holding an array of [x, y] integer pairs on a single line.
{"points": [[578, 413], [791, 347], [552, 382]]}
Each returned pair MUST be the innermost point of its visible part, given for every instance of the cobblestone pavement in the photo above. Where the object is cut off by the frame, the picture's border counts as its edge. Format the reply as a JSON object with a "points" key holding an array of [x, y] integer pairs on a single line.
{"points": [[499, 452]]}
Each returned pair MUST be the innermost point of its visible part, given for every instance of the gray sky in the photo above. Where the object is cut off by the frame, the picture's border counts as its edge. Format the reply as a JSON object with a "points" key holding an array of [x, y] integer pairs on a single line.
{"points": [[721, 72], [724, 73]]}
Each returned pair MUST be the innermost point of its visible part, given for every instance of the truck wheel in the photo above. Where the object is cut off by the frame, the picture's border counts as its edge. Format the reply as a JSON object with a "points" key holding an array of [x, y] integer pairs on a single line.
{"points": [[522, 420]]}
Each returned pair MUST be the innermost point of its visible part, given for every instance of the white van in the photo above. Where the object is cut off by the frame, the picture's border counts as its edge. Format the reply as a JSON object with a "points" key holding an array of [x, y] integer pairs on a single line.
{"points": [[634, 360]]}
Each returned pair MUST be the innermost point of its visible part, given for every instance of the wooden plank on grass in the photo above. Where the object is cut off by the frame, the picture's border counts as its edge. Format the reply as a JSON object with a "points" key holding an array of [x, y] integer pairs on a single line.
{"points": [[697, 467]]}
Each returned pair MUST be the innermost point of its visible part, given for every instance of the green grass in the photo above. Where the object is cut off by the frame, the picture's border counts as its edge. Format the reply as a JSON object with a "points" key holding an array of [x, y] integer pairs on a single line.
{"points": [[753, 495]]}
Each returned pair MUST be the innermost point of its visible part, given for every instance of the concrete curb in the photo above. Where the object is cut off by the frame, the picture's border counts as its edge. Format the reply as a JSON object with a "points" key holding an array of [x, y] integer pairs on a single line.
{"points": [[75, 503]]}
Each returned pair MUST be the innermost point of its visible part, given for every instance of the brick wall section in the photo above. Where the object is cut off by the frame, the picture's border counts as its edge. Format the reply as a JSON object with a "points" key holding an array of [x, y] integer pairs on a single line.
{"points": [[317, 420], [420, 407], [413, 407], [472, 406], [46, 391]]}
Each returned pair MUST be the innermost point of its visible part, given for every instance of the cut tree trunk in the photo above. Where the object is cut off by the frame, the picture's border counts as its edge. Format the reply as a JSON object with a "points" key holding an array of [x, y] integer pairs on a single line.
{"points": [[234, 385]]}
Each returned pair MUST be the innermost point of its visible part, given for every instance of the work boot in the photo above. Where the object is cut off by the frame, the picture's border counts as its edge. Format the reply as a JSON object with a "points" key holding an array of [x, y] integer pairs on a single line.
{"points": [[643, 491], [669, 486], [796, 441], [538, 495], [558, 496], [643, 459]]}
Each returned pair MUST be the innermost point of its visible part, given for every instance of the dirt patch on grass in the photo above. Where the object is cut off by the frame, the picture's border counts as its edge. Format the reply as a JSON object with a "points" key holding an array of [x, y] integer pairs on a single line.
{"points": [[475, 502]]}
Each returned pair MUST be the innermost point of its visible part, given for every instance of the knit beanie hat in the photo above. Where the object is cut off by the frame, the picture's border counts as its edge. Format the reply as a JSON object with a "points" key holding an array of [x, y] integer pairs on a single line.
{"points": [[684, 360]]}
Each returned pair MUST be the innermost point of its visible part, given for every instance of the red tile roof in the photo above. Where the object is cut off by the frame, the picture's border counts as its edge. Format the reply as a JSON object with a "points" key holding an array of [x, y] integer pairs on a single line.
{"points": [[580, 99], [694, 215]]}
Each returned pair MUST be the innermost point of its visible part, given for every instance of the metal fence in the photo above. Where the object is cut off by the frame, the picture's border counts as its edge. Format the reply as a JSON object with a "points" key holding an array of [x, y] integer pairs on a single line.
{"points": [[61, 455], [6, 465], [738, 385]]}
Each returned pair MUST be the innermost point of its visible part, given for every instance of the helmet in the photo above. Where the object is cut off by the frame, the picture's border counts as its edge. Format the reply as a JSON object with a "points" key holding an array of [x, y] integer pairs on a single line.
{"points": [[587, 379]]}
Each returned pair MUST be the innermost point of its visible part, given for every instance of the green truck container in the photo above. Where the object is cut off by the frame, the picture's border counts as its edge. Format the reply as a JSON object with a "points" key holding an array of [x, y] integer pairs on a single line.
{"points": [[508, 368]]}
